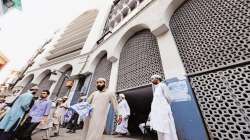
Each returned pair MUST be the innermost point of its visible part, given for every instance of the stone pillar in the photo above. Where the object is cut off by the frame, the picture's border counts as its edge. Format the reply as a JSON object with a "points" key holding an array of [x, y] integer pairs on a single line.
{"points": [[171, 60], [54, 79], [112, 88], [113, 74], [72, 91]]}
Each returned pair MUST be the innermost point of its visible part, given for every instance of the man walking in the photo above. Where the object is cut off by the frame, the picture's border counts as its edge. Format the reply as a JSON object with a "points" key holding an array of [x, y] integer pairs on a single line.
{"points": [[63, 109], [100, 99], [38, 114], [13, 117], [123, 115], [56, 117], [161, 118]]}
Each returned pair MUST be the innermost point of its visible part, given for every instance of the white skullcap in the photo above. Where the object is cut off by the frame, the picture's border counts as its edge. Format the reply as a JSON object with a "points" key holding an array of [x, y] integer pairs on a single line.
{"points": [[156, 76], [122, 95], [34, 88], [102, 79], [59, 99], [65, 97]]}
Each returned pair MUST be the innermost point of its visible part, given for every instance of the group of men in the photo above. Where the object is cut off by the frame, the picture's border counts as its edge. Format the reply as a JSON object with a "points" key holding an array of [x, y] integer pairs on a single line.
{"points": [[161, 118], [26, 114]]}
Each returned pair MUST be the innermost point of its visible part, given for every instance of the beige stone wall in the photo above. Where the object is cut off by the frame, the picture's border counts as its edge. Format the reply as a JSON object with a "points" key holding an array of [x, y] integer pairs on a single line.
{"points": [[151, 14]]}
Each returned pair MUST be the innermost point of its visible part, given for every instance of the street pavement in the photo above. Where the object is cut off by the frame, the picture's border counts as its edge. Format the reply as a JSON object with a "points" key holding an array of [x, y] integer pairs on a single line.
{"points": [[77, 136]]}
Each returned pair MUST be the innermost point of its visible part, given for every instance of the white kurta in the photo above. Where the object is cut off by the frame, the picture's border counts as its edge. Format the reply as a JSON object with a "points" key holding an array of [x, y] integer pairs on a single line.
{"points": [[124, 111], [161, 118], [94, 126], [63, 109]]}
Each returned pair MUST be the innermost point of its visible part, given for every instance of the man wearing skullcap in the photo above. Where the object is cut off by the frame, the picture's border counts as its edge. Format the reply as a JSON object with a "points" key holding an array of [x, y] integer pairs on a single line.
{"points": [[161, 118], [63, 109], [100, 99]]}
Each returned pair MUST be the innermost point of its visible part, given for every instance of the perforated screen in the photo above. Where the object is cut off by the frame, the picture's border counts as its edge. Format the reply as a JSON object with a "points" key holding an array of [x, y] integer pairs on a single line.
{"points": [[139, 60], [213, 38]]}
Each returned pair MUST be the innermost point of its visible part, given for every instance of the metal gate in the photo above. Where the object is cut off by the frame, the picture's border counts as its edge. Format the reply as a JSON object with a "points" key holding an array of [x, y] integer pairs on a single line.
{"points": [[139, 60], [61, 89], [45, 84], [213, 38], [103, 69]]}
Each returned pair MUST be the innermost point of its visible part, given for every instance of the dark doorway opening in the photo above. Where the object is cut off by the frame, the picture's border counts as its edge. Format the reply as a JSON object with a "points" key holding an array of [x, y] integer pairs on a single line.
{"points": [[139, 101]]}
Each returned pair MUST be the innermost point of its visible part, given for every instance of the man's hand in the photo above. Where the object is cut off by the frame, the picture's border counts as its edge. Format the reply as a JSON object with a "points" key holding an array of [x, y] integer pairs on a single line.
{"points": [[44, 120], [119, 119]]}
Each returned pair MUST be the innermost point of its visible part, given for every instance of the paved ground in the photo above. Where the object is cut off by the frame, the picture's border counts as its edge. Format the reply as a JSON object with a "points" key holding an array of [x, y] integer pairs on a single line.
{"points": [[77, 136]]}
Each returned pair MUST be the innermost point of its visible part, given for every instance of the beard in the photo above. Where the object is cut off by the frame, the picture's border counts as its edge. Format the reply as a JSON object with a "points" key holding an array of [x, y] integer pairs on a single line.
{"points": [[42, 97], [101, 87]]}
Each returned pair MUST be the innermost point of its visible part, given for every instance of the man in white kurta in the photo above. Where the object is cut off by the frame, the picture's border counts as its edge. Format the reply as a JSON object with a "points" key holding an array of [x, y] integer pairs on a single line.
{"points": [[161, 118], [100, 100], [123, 114], [63, 109]]}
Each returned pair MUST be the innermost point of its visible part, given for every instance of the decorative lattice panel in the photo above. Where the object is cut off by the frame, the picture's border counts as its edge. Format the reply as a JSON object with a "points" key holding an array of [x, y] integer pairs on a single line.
{"points": [[103, 69], [139, 60], [224, 98], [213, 38], [120, 10], [212, 33]]}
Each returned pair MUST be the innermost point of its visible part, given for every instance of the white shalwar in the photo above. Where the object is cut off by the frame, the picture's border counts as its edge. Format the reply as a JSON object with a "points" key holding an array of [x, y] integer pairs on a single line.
{"points": [[124, 111], [161, 118]]}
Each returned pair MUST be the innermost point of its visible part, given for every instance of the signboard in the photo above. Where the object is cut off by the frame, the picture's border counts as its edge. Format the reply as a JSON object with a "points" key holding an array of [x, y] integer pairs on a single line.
{"points": [[179, 91], [188, 121]]}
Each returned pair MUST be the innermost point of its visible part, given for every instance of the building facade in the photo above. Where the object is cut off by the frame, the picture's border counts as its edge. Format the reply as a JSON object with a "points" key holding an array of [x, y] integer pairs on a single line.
{"points": [[127, 41]]}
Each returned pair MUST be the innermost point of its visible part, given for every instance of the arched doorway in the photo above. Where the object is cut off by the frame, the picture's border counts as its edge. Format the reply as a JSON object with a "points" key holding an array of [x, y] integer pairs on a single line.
{"points": [[45, 83], [103, 69], [139, 60], [213, 42], [61, 89], [27, 83]]}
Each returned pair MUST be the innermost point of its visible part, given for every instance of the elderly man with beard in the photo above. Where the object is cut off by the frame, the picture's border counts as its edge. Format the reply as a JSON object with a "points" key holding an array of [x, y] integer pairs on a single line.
{"points": [[100, 99]]}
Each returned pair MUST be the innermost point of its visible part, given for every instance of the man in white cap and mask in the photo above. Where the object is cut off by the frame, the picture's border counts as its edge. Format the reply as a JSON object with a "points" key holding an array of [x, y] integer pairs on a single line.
{"points": [[161, 118], [123, 115], [100, 100]]}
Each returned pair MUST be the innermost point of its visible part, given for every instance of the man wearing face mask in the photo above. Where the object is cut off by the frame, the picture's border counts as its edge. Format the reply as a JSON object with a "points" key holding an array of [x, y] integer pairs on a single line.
{"points": [[12, 119], [100, 99]]}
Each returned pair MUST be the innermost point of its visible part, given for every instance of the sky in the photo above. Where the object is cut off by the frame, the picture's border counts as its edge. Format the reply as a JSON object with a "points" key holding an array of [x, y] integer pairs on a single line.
{"points": [[22, 32]]}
